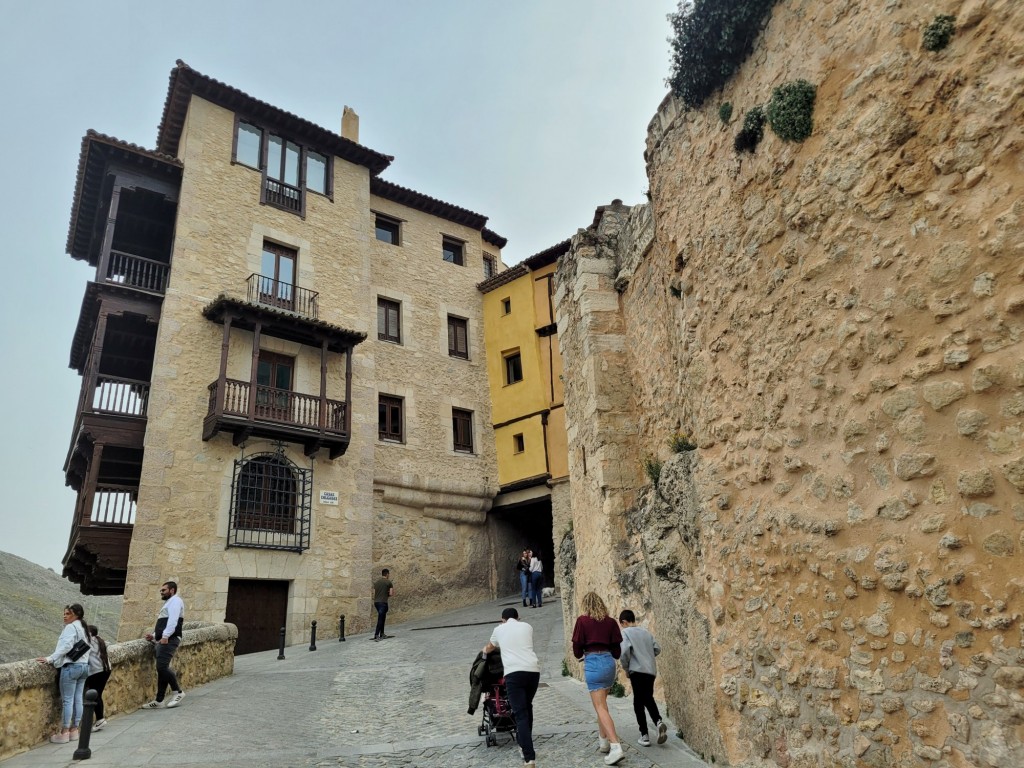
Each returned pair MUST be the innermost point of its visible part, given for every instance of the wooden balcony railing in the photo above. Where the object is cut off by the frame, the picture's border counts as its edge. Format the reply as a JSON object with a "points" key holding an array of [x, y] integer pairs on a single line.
{"points": [[283, 195], [274, 293], [137, 272], [279, 406], [125, 397], [114, 505]]}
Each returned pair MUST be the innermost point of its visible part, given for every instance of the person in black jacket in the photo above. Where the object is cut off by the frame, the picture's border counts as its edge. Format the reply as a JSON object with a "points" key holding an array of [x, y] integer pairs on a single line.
{"points": [[487, 670], [99, 673]]}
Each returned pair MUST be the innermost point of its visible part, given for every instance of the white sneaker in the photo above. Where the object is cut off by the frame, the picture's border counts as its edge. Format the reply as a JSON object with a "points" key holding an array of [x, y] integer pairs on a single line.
{"points": [[644, 740], [175, 700], [603, 745], [100, 724], [662, 732], [153, 705], [614, 755]]}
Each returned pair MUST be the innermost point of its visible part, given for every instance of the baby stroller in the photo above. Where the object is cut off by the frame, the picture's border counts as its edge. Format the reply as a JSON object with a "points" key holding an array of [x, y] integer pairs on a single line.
{"points": [[497, 717]]}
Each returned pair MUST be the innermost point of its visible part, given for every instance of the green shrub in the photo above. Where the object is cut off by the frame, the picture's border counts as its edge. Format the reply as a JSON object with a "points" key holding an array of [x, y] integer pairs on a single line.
{"points": [[652, 466], [710, 40], [752, 132], [939, 32], [791, 109], [565, 669], [725, 112], [618, 690], [680, 442]]}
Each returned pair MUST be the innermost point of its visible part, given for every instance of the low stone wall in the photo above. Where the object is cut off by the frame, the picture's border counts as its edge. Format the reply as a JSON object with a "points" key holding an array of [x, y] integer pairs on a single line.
{"points": [[30, 706]]}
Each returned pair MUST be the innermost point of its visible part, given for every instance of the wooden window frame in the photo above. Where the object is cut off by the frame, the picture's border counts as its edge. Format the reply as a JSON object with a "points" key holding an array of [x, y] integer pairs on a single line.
{"points": [[386, 333], [518, 443], [507, 359], [389, 220], [454, 325], [389, 433], [457, 248], [462, 427]]}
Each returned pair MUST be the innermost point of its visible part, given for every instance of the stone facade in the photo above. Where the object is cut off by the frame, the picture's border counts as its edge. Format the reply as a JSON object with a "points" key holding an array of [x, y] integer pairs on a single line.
{"points": [[837, 326], [417, 506]]}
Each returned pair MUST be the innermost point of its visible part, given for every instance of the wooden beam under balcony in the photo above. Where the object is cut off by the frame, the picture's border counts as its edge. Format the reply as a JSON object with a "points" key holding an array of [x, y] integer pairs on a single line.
{"points": [[276, 414]]}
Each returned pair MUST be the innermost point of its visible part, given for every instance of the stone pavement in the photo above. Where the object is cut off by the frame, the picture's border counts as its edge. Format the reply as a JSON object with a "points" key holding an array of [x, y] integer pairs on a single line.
{"points": [[399, 703]]}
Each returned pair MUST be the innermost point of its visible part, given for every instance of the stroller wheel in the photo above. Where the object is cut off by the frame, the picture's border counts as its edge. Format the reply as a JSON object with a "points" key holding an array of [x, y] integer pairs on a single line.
{"points": [[480, 730]]}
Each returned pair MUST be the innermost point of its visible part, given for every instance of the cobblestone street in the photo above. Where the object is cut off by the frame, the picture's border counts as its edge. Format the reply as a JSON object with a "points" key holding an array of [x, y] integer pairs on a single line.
{"points": [[359, 704]]}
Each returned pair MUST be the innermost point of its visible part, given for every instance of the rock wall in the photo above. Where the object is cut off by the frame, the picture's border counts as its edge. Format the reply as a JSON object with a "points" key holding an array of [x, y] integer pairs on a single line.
{"points": [[837, 325]]}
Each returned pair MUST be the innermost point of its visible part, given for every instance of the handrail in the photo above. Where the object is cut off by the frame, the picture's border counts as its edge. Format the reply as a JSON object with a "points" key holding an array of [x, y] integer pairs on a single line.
{"points": [[114, 394], [276, 293], [281, 406], [137, 271]]}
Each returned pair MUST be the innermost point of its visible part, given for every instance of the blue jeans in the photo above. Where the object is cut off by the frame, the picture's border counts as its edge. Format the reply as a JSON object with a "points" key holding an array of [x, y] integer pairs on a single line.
{"points": [[599, 671], [521, 688], [72, 686], [382, 612], [537, 588], [524, 582]]}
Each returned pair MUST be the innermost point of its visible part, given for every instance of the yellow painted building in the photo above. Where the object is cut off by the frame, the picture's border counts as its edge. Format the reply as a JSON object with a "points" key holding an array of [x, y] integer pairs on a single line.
{"points": [[524, 367]]}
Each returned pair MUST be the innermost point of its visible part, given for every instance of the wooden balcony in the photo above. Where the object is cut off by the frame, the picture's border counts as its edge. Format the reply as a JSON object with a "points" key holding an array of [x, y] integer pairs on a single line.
{"points": [[274, 293], [276, 414], [136, 272], [97, 555]]}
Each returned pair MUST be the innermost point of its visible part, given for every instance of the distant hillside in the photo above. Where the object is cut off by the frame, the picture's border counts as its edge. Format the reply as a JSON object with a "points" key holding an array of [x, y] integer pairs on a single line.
{"points": [[32, 599]]}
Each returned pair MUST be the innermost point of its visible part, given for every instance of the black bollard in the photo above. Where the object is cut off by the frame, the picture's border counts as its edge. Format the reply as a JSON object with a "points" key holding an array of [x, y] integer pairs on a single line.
{"points": [[85, 727], [341, 629], [312, 637], [280, 654]]}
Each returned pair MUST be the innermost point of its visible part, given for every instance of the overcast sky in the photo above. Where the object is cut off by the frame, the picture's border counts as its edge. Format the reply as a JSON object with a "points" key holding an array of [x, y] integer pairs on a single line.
{"points": [[530, 112]]}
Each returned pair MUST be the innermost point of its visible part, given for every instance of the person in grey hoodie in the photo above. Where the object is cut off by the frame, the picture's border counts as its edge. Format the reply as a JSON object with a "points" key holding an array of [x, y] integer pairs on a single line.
{"points": [[637, 658]]}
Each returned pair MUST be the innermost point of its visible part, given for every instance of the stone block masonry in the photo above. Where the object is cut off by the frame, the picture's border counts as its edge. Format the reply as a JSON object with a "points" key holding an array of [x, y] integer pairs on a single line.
{"points": [[836, 570]]}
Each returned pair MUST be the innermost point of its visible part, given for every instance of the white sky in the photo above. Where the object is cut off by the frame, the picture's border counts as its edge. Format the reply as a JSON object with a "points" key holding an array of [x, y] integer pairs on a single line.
{"points": [[531, 112]]}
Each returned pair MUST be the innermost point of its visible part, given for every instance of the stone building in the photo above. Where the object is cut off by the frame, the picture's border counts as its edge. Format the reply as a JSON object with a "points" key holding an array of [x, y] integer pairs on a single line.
{"points": [[835, 571], [283, 377], [524, 367]]}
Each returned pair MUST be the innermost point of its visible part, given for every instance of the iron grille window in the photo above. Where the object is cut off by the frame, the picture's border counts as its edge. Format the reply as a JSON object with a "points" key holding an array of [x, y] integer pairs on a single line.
{"points": [[389, 417], [458, 345], [462, 430], [489, 262], [389, 323], [271, 499]]}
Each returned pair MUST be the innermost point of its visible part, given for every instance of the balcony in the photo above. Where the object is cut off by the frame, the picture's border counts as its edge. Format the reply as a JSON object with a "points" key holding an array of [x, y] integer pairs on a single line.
{"points": [[137, 272], [282, 195], [276, 414], [274, 293], [97, 555]]}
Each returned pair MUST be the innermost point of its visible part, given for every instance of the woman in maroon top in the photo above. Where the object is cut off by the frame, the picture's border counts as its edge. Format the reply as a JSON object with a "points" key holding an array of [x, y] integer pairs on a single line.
{"points": [[596, 640]]}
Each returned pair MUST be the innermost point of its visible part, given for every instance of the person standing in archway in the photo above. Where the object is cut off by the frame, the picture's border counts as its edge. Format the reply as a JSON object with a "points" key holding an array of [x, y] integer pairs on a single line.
{"points": [[536, 581]]}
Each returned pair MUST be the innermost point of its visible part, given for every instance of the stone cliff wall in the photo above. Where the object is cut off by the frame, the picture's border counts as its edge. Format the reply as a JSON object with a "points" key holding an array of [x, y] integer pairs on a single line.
{"points": [[837, 325]]}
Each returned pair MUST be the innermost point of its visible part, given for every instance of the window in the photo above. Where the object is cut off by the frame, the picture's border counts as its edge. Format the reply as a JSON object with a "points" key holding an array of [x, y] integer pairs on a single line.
{"points": [[506, 306], [513, 367], [518, 443], [458, 346], [274, 386], [453, 251], [462, 430], [270, 503], [389, 418], [277, 276], [387, 229], [288, 168], [389, 323], [489, 265]]}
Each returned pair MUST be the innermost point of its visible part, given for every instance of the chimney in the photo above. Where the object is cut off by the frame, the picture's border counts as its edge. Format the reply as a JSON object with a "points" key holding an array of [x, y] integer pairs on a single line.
{"points": [[350, 124]]}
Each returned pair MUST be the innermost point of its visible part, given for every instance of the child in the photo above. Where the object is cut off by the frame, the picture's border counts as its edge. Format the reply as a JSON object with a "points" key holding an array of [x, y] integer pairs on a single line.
{"points": [[637, 658]]}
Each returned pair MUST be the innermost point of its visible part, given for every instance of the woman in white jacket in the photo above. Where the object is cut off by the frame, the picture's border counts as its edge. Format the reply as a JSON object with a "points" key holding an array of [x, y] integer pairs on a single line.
{"points": [[72, 672]]}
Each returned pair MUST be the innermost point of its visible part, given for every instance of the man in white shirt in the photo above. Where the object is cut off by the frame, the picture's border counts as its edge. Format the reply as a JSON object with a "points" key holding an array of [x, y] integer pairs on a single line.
{"points": [[522, 675], [165, 638]]}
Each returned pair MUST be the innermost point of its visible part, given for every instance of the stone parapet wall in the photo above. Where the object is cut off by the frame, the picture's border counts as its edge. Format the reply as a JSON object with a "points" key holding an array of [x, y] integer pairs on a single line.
{"points": [[30, 704], [836, 571]]}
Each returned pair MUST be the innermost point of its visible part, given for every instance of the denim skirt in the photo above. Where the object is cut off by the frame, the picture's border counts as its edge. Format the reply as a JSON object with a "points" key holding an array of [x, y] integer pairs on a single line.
{"points": [[599, 671]]}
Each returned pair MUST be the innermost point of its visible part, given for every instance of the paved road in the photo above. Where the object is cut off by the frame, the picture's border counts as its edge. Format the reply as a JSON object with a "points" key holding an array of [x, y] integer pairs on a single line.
{"points": [[399, 703]]}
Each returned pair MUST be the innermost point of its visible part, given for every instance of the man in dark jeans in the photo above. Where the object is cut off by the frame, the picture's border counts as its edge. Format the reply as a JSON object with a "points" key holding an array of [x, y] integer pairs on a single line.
{"points": [[383, 590], [522, 675], [165, 638]]}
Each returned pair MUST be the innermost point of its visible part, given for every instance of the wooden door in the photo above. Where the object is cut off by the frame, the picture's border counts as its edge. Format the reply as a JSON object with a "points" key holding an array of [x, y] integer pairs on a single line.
{"points": [[259, 608]]}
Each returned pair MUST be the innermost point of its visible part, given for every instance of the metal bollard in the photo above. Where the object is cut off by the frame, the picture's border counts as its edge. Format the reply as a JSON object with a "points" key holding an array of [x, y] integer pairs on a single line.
{"points": [[85, 730], [341, 629], [280, 654], [312, 637]]}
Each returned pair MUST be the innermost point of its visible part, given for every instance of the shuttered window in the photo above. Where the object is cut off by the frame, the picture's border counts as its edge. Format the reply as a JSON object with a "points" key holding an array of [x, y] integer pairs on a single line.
{"points": [[462, 430], [389, 320], [458, 343]]}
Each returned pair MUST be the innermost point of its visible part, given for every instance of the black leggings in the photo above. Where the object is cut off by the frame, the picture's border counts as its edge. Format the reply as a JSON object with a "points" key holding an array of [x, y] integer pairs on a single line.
{"points": [[643, 699], [97, 683]]}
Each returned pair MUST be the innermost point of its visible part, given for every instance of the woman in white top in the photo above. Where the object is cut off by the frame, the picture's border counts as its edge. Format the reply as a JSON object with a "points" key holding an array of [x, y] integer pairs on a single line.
{"points": [[72, 672]]}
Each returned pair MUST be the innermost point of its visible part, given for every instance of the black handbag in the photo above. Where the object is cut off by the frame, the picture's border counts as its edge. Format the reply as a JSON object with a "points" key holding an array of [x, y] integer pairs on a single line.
{"points": [[78, 650]]}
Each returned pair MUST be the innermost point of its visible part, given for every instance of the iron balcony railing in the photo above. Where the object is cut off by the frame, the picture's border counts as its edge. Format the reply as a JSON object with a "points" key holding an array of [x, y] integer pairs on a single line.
{"points": [[275, 293], [137, 272], [280, 406]]}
